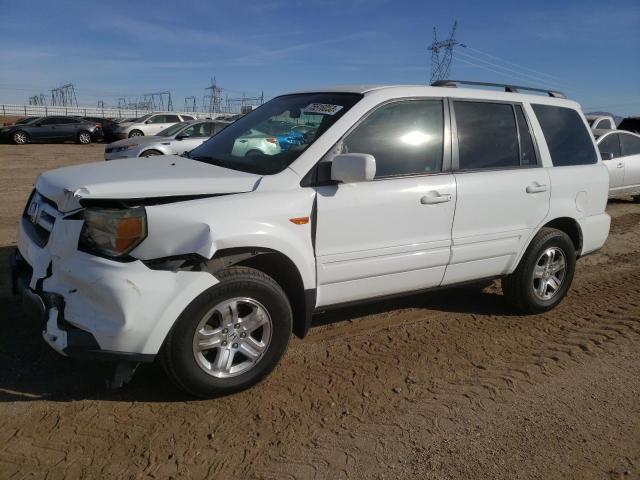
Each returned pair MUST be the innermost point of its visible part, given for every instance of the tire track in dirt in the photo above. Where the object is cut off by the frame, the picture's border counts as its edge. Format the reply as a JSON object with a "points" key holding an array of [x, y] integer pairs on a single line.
{"points": [[597, 324]]}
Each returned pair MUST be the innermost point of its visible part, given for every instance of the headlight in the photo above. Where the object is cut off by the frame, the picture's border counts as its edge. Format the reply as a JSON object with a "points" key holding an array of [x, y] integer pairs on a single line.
{"points": [[126, 147], [113, 232]]}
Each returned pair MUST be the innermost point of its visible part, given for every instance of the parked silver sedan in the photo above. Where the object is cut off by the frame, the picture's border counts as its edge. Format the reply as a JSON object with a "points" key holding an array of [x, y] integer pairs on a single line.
{"points": [[175, 140], [149, 124]]}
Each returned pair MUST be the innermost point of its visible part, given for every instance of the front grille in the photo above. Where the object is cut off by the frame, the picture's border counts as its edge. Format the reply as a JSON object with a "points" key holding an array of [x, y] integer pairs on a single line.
{"points": [[39, 218]]}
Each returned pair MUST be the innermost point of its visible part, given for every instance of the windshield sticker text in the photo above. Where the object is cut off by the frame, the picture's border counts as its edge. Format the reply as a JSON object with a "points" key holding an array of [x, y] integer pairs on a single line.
{"points": [[322, 108]]}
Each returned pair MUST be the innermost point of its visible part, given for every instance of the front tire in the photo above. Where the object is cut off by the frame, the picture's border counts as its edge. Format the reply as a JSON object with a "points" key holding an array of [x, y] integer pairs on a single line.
{"points": [[151, 153], [231, 336], [544, 274], [136, 133], [20, 137]]}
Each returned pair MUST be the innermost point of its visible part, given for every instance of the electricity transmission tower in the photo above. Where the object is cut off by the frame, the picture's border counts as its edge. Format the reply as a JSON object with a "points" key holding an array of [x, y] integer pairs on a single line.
{"points": [[440, 67], [64, 96], [244, 104], [38, 99], [157, 101], [212, 102], [189, 104]]}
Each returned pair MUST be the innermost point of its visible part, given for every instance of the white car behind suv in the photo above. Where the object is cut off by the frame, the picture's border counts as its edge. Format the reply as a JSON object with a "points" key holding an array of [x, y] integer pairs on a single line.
{"points": [[620, 152], [149, 124], [211, 262]]}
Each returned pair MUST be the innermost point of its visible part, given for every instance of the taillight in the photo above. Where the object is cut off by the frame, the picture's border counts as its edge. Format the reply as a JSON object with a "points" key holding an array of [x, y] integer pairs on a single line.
{"points": [[272, 140], [98, 125]]}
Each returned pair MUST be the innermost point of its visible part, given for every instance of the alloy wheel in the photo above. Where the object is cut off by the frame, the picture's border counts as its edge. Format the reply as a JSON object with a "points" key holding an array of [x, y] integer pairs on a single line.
{"points": [[20, 138], [549, 273], [232, 337]]}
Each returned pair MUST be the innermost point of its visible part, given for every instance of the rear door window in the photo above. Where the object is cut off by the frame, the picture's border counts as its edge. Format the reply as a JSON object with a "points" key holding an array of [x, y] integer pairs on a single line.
{"points": [[158, 119], [566, 135], [171, 118], [610, 144], [187, 117], [630, 144], [487, 135]]}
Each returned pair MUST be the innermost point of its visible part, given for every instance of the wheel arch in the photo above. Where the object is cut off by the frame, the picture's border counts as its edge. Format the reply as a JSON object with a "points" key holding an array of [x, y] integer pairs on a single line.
{"points": [[159, 152], [283, 270], [568, 225]]}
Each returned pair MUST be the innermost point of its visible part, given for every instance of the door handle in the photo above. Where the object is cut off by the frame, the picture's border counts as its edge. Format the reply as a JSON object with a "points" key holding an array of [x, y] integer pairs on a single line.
{"points": [[434, 197], [536, 187], [620, 165], [243, 141]]}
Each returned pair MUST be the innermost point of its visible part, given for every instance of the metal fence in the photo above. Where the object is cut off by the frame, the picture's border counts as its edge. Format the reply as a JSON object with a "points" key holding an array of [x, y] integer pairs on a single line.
{"points": [[44, 110]]}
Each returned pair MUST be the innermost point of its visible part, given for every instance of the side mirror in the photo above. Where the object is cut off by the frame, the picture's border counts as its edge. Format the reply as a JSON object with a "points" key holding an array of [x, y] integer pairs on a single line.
{"points": [[148, 122], [182, 135], [606, 155], [353, 167]]}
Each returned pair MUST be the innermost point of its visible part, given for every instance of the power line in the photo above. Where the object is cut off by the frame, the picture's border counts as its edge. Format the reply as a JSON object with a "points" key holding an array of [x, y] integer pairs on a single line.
{"points": [[514, 64], [518, 72]]}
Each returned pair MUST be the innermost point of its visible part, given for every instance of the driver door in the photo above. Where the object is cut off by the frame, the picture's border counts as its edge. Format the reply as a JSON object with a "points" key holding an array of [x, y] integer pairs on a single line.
{"points": [[392, 234], [198, 134]]}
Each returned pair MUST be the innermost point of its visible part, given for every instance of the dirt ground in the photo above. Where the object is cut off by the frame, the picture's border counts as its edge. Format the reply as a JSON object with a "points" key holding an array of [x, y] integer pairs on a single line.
{"points": [[446, 385]]}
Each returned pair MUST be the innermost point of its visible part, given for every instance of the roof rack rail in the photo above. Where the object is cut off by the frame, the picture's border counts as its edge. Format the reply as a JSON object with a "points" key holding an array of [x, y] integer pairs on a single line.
{"points": [[507, 88]]}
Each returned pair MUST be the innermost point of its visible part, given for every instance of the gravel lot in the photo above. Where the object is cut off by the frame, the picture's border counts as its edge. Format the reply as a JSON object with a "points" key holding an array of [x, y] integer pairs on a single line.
{"points": [[444, 385]]}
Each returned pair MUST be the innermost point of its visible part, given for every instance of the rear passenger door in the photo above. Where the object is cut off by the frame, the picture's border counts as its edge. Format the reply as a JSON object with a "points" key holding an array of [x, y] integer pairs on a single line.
{"points": [[631, 155], [503, 192]]}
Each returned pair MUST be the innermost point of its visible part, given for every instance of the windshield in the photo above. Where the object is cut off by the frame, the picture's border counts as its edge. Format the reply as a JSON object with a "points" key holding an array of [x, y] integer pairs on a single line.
{"points": [[270, 138], [172, 130]]}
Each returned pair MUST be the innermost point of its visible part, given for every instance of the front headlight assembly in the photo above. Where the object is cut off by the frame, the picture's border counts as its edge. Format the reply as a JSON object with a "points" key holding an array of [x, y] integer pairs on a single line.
{"points": [[113, 232]]}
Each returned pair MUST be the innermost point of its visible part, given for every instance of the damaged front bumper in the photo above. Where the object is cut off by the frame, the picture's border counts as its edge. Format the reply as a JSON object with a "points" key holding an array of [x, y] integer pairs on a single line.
{"points": [[94, 307]]}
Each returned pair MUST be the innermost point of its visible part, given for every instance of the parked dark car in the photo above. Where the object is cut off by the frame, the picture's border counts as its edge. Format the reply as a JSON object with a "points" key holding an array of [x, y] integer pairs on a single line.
{"points": [[630, 124], [108, 126], [53, 129]]}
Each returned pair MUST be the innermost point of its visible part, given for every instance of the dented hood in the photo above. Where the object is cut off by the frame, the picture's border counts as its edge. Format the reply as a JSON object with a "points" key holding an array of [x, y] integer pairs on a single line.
{"points": [[139, 178]]}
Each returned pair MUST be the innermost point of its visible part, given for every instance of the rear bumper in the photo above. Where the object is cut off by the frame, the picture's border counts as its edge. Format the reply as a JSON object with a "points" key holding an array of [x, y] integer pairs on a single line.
{"points": [[595, 230]]}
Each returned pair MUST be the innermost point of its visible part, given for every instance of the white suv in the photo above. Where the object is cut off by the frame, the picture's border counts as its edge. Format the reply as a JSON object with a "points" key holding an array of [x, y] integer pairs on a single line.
{"points": [[210, 262]]}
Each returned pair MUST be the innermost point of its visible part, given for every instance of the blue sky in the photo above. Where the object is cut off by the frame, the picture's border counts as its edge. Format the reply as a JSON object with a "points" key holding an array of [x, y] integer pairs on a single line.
{"points": [[588, 49]]}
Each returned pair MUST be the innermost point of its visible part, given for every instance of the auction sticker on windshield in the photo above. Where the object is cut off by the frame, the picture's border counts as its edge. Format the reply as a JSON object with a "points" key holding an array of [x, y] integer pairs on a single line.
{"points": [[322, 108]]}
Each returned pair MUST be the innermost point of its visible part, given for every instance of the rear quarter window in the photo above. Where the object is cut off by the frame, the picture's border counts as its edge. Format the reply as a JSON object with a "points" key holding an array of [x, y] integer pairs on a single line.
{"points": [[566, 135]]}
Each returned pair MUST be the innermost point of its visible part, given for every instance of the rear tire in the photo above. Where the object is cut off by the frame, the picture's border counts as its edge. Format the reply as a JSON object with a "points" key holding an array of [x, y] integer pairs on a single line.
{"points": [[544, 274], [136, 133], [20, 137], [84, 138], [204, 354]]}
